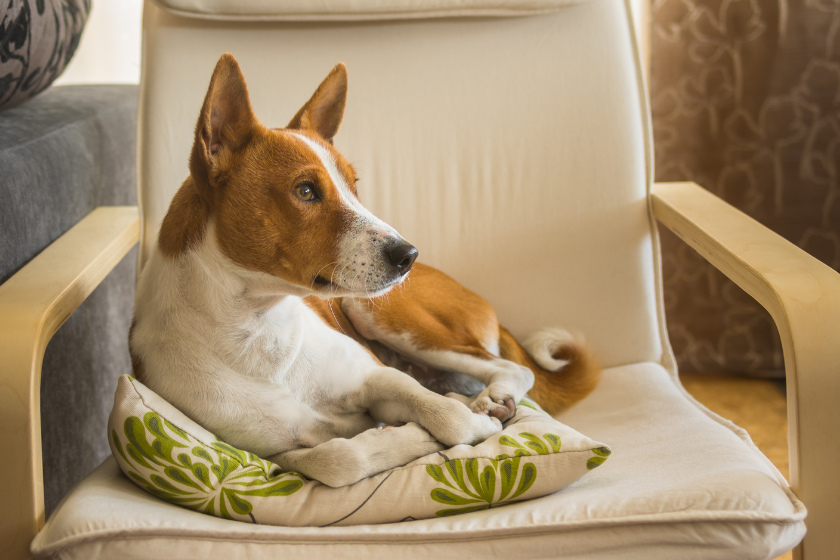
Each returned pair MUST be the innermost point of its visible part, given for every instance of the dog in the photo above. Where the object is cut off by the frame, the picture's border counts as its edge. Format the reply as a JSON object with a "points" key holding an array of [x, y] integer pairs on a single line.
{"points": [[258, 313]]}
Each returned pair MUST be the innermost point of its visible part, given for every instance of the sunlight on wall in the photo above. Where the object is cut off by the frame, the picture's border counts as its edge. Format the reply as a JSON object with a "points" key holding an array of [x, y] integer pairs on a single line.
{"points": [[110, 48]]}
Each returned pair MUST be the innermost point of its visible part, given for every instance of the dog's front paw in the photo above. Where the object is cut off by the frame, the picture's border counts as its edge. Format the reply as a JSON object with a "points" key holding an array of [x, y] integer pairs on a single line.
{"points": [[496, 401], [467, 427], [483, 426]]}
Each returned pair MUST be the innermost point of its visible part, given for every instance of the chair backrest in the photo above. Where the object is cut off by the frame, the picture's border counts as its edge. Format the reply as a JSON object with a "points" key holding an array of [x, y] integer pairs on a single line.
{"points": [[512, 150]]}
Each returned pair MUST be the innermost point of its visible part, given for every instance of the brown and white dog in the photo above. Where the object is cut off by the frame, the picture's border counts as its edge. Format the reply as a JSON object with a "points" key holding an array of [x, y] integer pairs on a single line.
{"points": [[257, 312]]}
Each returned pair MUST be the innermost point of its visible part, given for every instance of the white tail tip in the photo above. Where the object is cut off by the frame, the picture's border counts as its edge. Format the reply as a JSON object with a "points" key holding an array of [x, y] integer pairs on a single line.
{"points": [[542, 344]]}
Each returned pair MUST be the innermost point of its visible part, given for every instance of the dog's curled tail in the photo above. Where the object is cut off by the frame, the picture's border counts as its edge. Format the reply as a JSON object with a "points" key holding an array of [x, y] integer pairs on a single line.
{"points": [[565, 369]]}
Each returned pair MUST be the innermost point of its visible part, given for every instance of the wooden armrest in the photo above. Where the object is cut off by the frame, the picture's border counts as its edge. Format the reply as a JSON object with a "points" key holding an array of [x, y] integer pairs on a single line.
{"points": [[803, 297], [34, 303]]}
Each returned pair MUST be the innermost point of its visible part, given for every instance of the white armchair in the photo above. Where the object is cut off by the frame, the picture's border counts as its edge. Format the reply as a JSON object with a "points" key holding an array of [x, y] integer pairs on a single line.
{"points": [[508, 140]]}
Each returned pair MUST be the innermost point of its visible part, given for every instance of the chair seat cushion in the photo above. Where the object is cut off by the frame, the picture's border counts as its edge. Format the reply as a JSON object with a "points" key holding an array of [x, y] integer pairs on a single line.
{"points": [[679, 480], [172, 457]]}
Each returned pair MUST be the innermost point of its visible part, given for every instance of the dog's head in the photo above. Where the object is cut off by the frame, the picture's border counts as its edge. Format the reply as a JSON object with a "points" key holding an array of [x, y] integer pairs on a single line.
{"points": [[283, 201]]}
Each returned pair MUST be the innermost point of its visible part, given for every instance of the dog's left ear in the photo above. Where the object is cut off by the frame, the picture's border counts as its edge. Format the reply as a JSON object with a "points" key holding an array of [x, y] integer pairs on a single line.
{"points": [[323, 112], [226, 118]]}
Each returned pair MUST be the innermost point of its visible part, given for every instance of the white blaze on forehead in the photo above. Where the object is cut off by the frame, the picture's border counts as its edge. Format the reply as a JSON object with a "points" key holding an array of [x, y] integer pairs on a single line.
{"points": [[341, 186], [328, 161], [362, 266]]}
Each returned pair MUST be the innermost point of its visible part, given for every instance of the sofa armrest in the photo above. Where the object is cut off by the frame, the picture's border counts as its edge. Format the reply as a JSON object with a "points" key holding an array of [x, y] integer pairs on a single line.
{"points": [[803, 297], [34, 303]]}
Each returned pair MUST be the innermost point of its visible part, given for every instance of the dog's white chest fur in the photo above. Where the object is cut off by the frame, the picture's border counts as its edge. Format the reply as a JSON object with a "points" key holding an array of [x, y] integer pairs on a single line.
{"points": [[235, 336]]}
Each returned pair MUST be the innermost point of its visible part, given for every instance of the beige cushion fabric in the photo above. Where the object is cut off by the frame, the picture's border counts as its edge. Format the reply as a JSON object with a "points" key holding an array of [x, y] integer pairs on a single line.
{"points": [[678, 479], [512, 152], [349, 10]]}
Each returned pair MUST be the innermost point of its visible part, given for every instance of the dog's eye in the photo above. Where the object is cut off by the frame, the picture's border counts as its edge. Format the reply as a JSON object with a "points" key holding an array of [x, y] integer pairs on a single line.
{"points": [[305, 191]]}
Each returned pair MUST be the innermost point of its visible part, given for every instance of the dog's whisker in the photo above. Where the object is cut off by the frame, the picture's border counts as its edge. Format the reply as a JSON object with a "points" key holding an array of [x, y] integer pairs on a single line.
{"points": [[318, 272], [329, 304], [341, 275], [357, 277]]}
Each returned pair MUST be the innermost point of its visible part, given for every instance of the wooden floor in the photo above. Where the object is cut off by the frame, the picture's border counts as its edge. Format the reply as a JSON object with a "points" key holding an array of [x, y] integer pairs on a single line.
{"points": [[757, 405]]}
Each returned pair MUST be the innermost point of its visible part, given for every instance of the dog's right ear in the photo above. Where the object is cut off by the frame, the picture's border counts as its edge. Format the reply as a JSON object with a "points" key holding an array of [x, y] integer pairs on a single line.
{"points": [[226, 122], [324, 111]]}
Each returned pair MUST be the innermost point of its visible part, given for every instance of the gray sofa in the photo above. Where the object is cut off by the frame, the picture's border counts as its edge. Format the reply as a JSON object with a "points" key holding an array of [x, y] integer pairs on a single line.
{"points": [[62, 154]]}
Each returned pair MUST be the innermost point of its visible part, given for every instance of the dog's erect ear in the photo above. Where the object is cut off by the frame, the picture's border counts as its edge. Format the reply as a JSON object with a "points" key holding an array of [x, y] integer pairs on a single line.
{"points": [[226, 121], [325, 109]]}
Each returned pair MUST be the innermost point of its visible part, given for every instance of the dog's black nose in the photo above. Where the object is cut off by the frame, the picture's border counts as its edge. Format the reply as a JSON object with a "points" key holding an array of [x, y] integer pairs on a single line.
{"points": [[402, 255]]}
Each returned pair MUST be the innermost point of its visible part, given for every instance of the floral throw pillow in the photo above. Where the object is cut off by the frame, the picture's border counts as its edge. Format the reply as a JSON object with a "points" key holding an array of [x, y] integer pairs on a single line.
{"points": [[37, 40], [172, 457]]}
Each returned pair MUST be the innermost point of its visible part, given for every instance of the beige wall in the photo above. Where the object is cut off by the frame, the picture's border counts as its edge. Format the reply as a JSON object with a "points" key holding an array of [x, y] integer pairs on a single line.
{"points": [[110, 48]]}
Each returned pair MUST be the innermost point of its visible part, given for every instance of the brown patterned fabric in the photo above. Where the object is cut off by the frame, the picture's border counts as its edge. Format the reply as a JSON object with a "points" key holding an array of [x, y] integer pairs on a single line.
{"points": [[746, 102]]}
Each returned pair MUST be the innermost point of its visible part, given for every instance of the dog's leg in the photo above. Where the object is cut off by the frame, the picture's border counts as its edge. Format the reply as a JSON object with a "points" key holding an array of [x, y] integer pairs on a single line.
{"points": [[506, 382], [437, 322], [339, 462], [393, 397], [256, 415]]}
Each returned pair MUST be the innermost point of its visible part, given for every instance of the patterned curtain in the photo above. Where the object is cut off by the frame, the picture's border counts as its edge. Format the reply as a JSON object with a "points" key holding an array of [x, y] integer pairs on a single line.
{"points": [[746, 102]]}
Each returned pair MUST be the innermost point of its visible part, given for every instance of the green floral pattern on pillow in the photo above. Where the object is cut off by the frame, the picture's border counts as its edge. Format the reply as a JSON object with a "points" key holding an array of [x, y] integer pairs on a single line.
{"points": [[166, 454], [601, 454], [502, 473], [477, 490], [218, 480]]}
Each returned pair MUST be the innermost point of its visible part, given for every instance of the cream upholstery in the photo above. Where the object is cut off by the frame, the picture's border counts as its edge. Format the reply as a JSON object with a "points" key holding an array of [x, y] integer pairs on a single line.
{"points": [[678, 479], [514, 152], [349, 10], [511, 151]]}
